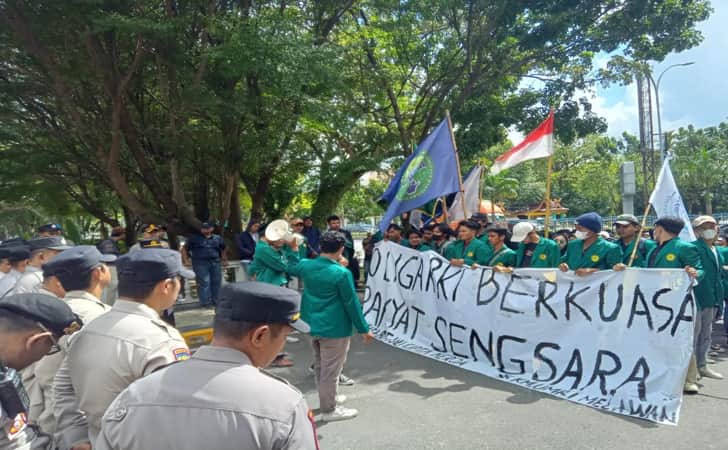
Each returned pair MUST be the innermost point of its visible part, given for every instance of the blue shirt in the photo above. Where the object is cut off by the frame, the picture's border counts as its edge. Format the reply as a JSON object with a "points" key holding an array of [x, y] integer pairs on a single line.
{"points": [[200, 247]]}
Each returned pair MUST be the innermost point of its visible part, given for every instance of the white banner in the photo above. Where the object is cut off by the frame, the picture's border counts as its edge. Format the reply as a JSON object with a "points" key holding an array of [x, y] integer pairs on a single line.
{"points": [[616, 341]]}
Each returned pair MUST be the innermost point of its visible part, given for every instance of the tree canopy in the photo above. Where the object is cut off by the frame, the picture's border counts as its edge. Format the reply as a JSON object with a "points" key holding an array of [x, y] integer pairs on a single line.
{"points": [[179, 111]]}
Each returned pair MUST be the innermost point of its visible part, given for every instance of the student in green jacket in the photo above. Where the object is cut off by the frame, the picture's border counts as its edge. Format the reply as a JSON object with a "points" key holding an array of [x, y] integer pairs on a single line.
{"points": [[709, 293], [503, 256], [533, 250], [414, 241], [673, 253], [467, 250], [272, 259], [589, 252], [629, 230], [332, 309]]}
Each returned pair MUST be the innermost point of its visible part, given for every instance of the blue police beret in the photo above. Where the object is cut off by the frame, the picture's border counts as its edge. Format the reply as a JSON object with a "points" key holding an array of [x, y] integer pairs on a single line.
{"points": [[257, 302], [76, 260], [150, 266], [51, 242], [51, 312]]}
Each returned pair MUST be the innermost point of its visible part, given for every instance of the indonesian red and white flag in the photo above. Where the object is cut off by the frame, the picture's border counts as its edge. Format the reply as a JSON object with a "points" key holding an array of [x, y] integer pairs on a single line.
{"points": [[538, 144]]}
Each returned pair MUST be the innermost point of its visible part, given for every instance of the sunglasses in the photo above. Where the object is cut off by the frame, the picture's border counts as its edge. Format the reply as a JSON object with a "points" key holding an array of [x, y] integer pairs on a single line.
{"points": [[55, 347]]}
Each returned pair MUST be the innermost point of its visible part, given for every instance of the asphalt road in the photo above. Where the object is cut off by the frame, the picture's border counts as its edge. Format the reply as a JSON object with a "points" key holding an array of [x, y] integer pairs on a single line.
{"points": [[407, 401]]}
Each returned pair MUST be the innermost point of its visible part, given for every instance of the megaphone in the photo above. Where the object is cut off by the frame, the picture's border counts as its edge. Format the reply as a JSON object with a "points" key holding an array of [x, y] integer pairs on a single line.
{"points": [[277, 230]]}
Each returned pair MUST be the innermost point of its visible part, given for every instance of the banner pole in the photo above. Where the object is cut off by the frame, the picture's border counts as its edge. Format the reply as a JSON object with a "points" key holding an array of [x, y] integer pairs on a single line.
{"points": [[457, 161], [547, 219], [638, 238]]}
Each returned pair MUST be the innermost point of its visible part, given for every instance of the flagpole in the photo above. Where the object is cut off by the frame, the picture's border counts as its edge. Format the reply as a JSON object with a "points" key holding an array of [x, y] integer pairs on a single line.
{"points": [[457, 161], [639, 237], [547, 219]]}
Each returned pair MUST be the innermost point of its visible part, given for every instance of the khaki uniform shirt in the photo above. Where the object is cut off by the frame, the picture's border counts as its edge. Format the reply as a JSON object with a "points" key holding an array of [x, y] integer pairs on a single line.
{"points": [[216, 400], [7, 283], [29, 280], [126, 343], [87, 307]]}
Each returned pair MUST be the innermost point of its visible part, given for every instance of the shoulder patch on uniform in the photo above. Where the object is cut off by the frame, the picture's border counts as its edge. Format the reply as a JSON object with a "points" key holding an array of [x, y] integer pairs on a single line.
{"points": [[670, 257], [180, 354], [595, 258], [19, 423], [116, 415]]}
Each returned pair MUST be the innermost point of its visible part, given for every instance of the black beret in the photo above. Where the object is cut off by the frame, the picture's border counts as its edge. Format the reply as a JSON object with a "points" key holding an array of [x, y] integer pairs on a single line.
{"points": [[51, 242], [150, 266], [76, 260], [51, 312], [257, 302]]}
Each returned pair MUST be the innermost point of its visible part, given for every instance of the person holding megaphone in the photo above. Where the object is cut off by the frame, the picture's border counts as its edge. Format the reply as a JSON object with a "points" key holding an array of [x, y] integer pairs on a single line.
{"points": [[275, 253]]}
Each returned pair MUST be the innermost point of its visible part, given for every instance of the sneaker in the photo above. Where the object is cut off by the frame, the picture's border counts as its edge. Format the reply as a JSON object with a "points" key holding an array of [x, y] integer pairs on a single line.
{"points": [[710, 360], [341, 398], [690, 388], [709, 373], [345, 381], [340, 413], [292, 339], [282, 361], [717, 348], [310, 368]]}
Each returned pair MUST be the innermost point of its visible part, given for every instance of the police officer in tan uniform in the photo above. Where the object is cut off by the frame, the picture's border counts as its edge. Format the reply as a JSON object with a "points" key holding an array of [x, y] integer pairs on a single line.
{"points": [[83, 275], [42, 250], [221, 398], [30, 326], [126, 343]]}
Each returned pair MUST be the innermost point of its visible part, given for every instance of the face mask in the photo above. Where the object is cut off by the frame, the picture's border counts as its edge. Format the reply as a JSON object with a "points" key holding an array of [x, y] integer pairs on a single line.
{"points": [[710, 234], [581, 234]]}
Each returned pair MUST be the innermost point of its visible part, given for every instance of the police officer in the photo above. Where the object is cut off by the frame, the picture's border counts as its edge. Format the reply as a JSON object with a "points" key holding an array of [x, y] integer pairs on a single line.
{"points": [[42, 250], [151, 236], [221, 398], [120, 346], [590, 252], [83, 275], [206, 251], [30, 326], [17, 256], [50, 229]]}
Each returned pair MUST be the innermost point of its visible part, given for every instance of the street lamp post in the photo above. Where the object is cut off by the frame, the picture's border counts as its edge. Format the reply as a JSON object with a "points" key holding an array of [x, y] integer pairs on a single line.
{"points": [[656, 86]]}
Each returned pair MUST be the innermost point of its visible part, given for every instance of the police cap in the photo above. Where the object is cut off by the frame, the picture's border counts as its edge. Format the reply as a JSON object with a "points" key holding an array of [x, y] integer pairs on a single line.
{"points": [[50, 228], [50, 242], [76, 260], [151, 266], [52, 313], [257, 302]]}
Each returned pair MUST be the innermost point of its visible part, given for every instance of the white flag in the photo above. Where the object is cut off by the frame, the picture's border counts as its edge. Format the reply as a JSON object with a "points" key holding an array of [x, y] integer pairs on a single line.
{"points": [[667, 201], [471, 188]]}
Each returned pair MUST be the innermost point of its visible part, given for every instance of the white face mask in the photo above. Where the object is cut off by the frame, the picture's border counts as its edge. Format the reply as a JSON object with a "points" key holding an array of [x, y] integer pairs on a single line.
{"points": [[581, 234], [709, 234]]}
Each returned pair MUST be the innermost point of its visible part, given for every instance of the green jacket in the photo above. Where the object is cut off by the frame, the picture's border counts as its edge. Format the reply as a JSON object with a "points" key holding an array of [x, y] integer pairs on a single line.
{"points": [[270, 265], [330, 304], [422, 248], [505, 257], [546, 254], [475, 253], [675, 254], [709, 292], [643, 249], [602, 255], [724, 252]]}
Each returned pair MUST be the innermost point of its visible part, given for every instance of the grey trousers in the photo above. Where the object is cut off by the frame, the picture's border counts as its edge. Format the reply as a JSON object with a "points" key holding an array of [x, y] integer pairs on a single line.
{"points": [[329, 356], [703, 331]]}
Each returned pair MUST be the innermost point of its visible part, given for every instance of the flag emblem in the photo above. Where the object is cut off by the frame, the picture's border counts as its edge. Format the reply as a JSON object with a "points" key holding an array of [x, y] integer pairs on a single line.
{"points": [[670, 257], [595, 258], [417, 177], [542, 256]]}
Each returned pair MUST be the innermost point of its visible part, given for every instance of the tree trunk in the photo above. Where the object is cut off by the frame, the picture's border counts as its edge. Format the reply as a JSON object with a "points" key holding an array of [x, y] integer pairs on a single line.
{"points": [[709, 203]]}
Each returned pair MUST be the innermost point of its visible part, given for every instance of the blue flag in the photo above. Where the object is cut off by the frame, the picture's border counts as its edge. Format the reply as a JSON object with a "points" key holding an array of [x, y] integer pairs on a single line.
{"points": [[428, 173]]}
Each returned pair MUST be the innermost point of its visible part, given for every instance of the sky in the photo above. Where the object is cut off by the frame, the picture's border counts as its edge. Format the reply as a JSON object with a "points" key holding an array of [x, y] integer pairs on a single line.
{"points": [[696, 94]]}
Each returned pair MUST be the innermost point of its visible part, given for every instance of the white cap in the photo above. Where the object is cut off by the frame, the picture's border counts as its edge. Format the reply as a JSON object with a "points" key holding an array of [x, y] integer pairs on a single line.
{"points": [[521, 230], [703, 219]]}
